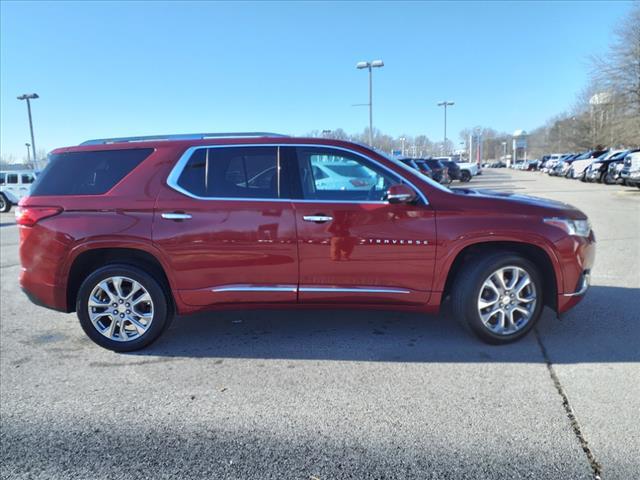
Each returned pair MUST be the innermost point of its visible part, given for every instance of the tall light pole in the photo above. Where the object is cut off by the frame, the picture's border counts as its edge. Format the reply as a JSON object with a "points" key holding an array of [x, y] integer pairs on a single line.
{"points": [[445, 104], [28, 97], [403, 139], [370, 66], [28, 145], [504, 152]]}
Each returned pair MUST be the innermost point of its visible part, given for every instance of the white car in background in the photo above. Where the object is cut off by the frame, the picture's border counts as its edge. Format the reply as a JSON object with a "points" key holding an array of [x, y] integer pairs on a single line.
{"points": [[553, 160], [342, 176], [579, 167], [14, 184]]}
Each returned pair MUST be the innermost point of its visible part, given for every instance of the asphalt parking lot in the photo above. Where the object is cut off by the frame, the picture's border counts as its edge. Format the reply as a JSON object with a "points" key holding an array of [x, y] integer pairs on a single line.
{"points": [[335, 394]]}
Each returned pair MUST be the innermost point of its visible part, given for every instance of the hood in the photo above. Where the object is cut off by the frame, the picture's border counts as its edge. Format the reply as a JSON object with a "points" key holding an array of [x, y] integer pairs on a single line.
{"points": [[550, 207]]}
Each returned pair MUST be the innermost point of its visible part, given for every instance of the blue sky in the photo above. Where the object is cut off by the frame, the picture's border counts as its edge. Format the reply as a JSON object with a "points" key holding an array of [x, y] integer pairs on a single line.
{"points": [[124, 68]]}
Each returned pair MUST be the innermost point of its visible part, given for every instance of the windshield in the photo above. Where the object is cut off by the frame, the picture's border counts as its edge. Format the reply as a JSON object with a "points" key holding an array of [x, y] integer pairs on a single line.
{"points": [[619, 155]]}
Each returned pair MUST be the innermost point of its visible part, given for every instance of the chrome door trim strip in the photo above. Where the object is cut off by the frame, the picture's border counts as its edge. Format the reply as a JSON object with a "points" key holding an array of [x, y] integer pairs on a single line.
{"points": [[246, 287], [172, 179], [255, 288], [353, 290]]}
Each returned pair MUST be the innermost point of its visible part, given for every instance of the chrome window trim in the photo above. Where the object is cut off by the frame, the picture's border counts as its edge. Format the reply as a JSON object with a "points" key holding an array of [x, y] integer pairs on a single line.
{"points": [[176, 171]]}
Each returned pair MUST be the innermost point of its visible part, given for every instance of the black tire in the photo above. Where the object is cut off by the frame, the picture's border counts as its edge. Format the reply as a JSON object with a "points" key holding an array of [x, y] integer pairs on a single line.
{"points": [[602, 176], [467, 288], [5, 204], [465, 176], [162, 313], [609, 180]]}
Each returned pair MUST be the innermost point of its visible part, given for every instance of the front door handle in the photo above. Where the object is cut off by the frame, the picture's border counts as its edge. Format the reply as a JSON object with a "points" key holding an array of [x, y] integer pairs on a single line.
{"points": [[317, 218], [176, 216]]}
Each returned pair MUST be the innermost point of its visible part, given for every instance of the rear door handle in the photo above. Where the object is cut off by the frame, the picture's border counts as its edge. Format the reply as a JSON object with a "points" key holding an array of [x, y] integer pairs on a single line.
{"points": [[317, 218], [176, 216]]}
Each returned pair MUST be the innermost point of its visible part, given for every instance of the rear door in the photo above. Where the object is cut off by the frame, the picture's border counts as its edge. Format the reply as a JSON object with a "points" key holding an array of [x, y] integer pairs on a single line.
{"points": [[227, 228], [354, 246]]}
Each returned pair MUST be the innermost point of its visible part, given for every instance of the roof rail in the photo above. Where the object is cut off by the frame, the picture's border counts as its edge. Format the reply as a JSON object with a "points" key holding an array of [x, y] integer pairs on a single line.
{"points": [[184, 136]]}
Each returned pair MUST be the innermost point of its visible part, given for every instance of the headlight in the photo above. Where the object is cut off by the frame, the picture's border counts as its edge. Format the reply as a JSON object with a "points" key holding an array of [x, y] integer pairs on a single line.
{"points": [[580, 228]]}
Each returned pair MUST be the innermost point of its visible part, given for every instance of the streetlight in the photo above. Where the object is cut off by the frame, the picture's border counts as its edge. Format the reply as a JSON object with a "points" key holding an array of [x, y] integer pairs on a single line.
{"points": [[403, 139], [445, 104], [504, 151], [28, 145], [370, 65], [27, 97]]}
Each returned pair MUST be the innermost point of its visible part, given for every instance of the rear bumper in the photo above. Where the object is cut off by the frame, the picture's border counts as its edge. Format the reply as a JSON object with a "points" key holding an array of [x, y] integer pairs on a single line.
{"points": [[37, 301], [41, 293]]}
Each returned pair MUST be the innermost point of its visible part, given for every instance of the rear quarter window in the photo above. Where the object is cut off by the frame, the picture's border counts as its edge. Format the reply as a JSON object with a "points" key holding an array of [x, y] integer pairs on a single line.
{"points": [[87, 173]]}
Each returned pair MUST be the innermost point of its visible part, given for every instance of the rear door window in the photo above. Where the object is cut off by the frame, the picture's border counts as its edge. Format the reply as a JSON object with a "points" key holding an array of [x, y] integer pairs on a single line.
{"points": [[87, 173], [233, 172], [12, 178]]}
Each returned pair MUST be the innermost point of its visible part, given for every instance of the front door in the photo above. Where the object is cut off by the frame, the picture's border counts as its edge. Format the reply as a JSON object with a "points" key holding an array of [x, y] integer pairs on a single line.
{"points": [[226, 227], [354, 246]]}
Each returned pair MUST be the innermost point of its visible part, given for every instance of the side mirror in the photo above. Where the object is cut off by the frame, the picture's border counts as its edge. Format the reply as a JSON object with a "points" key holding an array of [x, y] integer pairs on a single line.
{"points": [[401, 193]]}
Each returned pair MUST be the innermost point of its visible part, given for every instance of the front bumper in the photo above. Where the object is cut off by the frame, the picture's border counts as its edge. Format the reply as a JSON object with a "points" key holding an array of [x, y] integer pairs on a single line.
{"points": [[583, 285], [567, 301], [577, 257]]}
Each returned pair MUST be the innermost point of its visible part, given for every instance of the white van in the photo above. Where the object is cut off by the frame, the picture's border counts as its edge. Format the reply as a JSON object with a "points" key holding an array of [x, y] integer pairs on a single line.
{"points": [[14, 184]]}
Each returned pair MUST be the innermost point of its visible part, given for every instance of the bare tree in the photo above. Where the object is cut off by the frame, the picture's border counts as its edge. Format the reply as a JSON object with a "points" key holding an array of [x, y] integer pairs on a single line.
{"points": [[617, 74]]}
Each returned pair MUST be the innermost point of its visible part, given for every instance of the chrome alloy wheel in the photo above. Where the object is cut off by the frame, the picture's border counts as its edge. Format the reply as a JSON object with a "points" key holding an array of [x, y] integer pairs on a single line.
{"points": [[120, 309], [507, 300]]}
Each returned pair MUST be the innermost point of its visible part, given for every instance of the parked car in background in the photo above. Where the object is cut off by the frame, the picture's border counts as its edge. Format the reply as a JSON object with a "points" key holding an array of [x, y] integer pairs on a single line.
{"points": [[453, 168], [494, 164], [148, 228], [630, 173], [334, 175], [597, 170], [551, 162], [533, 165], [562, 167], [580, 164], [422, 168], [439, 170], [468, 170], [613, 175], [14, 185]]}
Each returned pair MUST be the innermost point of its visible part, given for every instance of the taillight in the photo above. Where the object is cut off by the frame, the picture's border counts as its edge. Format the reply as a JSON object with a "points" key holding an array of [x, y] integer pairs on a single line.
{"points": [[29, 216]]}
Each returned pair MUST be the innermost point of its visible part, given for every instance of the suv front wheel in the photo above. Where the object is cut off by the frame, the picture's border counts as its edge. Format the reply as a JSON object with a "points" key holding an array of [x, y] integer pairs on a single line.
{"points": [[122, 308], [499, 297]]}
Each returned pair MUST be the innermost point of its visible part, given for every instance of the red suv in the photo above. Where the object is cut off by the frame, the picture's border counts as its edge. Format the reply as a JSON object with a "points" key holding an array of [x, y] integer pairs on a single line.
{"points": [[129, 232]]}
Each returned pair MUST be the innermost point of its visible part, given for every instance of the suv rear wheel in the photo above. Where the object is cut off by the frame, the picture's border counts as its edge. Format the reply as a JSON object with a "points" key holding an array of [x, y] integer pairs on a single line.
{"points": [[465, 176], [498, 297], [122, 308], [5, 205]]}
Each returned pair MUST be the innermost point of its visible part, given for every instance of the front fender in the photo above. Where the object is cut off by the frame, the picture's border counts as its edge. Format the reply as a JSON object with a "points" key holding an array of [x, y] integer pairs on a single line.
{"points": [[455, 236]]}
